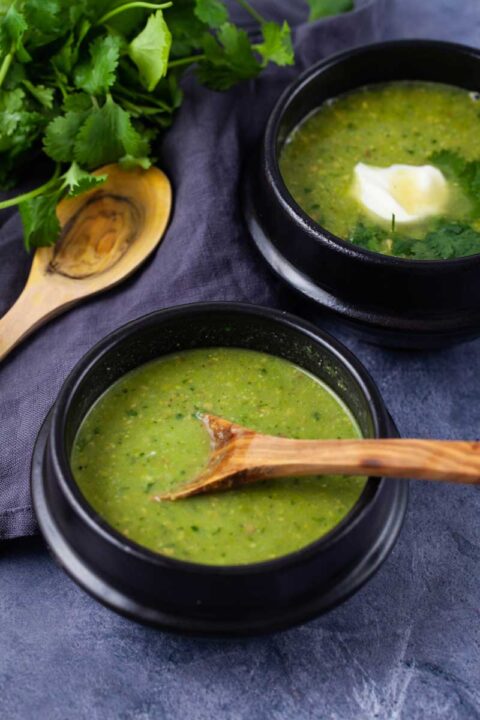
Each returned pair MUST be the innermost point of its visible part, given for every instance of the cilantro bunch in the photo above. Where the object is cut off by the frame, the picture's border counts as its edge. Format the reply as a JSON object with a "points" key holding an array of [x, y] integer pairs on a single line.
{"points": [[91, 82]]}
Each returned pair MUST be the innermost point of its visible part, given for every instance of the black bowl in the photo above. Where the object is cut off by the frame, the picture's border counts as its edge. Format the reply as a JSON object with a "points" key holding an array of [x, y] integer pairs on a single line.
{"points": [[392, 301], [199, 598]]}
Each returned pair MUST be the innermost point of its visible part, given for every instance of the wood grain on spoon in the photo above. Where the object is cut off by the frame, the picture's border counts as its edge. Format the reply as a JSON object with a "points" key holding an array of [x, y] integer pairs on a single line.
{"points": [[106, 234], [240, 456]]}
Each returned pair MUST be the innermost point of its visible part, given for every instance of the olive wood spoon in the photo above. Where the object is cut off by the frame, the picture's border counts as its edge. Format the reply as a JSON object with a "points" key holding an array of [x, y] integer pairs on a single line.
{"points": [[106, 234], [240, 456]]}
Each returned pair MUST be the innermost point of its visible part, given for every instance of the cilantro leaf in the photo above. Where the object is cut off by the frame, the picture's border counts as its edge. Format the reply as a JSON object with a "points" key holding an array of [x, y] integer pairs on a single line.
{"points": [[77, 102], [324, 8], [403, 246], [447, 242], [277, 44], [12, 31], [186, 28], [61, 134], [98, 75], [67, 57], [44, 95], [76, 180], [465, 173], [15, 76], [238, 50], [107, 135], [49, 20], [228, 59], [39, 217], [12, 101], [449, 162], [19, 126], [212, 12], [371, 237], [150, 50]]}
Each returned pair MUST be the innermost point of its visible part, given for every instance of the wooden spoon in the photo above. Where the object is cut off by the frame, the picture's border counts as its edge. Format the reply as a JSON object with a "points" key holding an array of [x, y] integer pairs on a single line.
{"points": [[106, 234], [240, 456]]}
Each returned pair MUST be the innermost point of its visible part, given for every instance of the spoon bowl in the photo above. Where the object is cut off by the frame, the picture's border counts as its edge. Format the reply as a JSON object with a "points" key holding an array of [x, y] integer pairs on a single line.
{"points": [[107, 233]]}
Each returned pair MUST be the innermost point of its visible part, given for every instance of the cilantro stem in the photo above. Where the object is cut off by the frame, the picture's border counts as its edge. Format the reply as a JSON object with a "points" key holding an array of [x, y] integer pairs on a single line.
{"points": [[130, 5], [141, 109], [5, 67], [59, 81], [251, 11], [186, 60], [121, 90], [49, 185]]}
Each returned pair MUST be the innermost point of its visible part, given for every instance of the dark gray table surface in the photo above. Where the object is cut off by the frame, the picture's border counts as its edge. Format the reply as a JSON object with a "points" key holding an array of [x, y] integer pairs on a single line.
{"points": [[407, 646]]}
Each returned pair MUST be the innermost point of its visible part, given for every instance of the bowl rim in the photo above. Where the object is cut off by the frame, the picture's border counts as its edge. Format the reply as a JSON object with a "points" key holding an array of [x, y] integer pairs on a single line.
{"points": [[272, 154], [64, 475]]}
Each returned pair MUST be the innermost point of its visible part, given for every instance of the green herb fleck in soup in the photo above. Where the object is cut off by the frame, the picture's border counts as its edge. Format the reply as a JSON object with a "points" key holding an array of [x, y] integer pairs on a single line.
{"points": [[394, 168], [142, 437]]}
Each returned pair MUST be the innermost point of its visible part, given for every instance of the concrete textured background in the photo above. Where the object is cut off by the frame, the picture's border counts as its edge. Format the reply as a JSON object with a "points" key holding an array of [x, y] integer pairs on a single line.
{"points": [[406, 647]]}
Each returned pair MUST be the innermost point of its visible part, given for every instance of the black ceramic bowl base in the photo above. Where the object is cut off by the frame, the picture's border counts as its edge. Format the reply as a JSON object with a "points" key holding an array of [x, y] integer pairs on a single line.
{"points": [[263, 622], [368, 324], [202, 599], [388, 300]]}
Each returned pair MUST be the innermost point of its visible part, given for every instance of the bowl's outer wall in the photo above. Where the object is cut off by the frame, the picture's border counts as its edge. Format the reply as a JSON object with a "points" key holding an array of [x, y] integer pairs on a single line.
{"points": [[443, 293], [202, 591]]}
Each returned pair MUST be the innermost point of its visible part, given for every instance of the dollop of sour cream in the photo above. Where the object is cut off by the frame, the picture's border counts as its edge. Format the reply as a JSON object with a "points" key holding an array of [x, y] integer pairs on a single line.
{"points": [[410, 193]]}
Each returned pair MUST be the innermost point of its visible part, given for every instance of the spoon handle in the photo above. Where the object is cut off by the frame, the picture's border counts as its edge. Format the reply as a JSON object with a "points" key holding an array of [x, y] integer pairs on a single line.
{"points": [[19, 322], [417, 459], [247, 457], [36, 305]]}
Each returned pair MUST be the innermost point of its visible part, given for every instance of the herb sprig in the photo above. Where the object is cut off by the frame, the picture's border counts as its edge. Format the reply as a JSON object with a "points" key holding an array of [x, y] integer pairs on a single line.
{"points": [[446, 241], [92, 82]]}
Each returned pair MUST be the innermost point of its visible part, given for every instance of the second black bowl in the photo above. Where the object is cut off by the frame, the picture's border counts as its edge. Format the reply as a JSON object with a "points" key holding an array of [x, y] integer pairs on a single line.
{"points": [[389, 300]]}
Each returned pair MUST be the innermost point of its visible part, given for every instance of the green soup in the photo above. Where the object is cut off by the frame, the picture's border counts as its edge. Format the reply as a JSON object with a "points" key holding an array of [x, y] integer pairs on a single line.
{"points": [[408, 123], [143, 437]]}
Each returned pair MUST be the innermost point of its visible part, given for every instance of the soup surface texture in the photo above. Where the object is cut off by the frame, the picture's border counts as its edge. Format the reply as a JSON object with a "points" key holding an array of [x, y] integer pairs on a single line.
{"points": [[414, 124], [143, 437]]}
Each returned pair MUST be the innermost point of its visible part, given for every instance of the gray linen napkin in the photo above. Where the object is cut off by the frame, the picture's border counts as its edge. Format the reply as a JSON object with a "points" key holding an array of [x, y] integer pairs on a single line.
{"points": [[205, 255]]}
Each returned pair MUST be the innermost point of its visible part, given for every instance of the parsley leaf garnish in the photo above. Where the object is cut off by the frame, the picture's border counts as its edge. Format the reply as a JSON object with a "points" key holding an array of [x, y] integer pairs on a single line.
{"points": [[448, 240], [371, 238], [465, 173]]}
